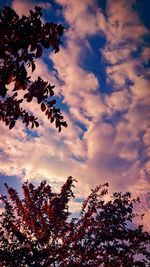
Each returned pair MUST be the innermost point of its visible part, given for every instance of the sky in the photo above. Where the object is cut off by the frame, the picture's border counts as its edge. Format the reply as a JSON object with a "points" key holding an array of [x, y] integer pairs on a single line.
{"points": [[102, 79]]}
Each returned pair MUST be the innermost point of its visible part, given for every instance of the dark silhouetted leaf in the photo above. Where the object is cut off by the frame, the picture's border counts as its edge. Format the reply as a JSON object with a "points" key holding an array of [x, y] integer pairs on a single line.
{"points": [[6, 121], [52, 119], [12, 124], [15, 94], [26, 95], [57, 123], [33, 66], [52, 102], [22, 40], [43, 106], [36, 123], [64, 124], [29, 99], [39, 51]]}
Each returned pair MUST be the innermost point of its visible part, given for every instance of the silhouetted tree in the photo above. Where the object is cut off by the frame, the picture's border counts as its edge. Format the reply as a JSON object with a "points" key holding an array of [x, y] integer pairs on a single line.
{"points": [[22, 40], [37, 231]]}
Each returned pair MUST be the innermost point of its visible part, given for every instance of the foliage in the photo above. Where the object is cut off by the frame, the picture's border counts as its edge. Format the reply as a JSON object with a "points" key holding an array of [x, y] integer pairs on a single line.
{"points": [[22, 40], [38, 231]]}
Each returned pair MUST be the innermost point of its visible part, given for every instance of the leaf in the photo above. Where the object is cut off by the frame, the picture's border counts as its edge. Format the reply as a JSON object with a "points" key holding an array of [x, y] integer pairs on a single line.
{"points": [[51, 92], [57, 123], [12, 124], [52, 119], [17, 86], [32, 47], [36, 123], [39, 99], [15, 94], [51, 87], [10, 79], [3, 91], [64, 124], [52, 102], [20, 101], [17, 115], [26, 95], [56, 49], [49, 114], [6, 121], [33, 66], [39, 51], [30, 36], [29, 99], [60, 29], [43, 106]]}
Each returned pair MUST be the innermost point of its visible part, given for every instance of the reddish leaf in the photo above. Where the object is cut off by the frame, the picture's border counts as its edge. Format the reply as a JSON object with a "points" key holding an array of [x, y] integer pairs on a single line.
{"points": [[10, 79], [43, 106], [46, 113], [99, 236], [49, 114], [29, 99]]}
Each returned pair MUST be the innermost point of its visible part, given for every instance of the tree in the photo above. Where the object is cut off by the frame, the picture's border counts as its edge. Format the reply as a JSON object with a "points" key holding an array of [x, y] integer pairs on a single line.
{"points": [[37, 230], [22, 40]]}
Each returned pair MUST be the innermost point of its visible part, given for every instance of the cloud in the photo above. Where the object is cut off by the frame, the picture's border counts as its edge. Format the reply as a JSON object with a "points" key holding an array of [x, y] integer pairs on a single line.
{"points": [[77, 14], [118, 101], [124, 23], [146, 139], [130, 86], [145, 54], [23, 7], [108, 134], [127, 98]]}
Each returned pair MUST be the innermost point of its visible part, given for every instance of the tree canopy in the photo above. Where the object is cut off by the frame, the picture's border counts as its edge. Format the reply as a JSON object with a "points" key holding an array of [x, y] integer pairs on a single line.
{"points": [[37, 230], [22, 40]]}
